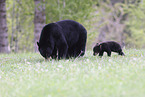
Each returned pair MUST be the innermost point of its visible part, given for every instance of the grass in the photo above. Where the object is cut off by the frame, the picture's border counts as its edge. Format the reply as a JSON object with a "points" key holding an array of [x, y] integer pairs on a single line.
{"points": [[28, 75]]}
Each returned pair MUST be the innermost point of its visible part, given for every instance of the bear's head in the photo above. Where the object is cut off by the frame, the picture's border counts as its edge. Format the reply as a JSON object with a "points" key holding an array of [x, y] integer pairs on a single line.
{"points": [[96, 49], [44, 50]]}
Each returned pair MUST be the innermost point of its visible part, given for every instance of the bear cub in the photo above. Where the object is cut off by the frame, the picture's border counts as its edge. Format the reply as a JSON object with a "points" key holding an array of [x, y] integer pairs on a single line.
{"points": [[108, 46]]}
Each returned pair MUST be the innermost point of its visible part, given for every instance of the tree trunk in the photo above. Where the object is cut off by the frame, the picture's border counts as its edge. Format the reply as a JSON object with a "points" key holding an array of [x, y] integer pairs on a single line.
{"points": [[39, 21], [3, 28]]}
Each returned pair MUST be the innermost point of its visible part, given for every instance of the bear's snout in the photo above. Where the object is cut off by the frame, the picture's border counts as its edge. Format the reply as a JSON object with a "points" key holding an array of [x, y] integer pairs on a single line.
{"points": [[95, 54]]}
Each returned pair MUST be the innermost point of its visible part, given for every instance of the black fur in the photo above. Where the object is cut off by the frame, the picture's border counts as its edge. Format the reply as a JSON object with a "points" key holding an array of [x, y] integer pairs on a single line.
{"points": [[66, 37], [109, 46]]}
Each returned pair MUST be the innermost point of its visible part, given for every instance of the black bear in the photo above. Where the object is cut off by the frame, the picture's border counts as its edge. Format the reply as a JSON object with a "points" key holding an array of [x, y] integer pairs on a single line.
{"points": [[62, 39], [109, 46]]}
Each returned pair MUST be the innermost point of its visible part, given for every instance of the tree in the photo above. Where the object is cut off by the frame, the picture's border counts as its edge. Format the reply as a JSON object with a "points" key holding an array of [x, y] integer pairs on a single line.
{"points": [[135, 32], [39, 20], [3, 28]]}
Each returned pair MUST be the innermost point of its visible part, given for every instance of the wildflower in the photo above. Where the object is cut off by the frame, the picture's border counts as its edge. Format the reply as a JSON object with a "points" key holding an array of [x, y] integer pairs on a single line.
{"points": [[28, 63], [60, 66], [99, 67], [74, 64]]}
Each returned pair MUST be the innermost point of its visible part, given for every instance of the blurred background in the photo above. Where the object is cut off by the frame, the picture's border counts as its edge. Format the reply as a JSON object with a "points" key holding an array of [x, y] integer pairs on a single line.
{"points": [[21, 21]]}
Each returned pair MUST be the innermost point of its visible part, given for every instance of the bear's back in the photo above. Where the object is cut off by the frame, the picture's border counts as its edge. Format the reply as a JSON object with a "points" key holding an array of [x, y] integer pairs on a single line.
{"points": [[70, 25], [72, 30], [114, 46]]}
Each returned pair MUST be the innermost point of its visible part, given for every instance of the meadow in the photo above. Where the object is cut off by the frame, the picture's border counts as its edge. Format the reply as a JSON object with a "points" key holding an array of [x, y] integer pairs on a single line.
{"points": [[28, 75]]}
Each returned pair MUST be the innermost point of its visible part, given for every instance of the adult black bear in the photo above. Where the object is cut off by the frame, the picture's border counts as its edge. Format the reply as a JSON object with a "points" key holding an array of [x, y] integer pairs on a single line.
{"points": [[107, 47], [67, 38]]}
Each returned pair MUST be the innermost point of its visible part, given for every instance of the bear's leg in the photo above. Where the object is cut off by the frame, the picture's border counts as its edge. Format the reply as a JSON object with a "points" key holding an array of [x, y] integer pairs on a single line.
{"points": [[71, 52], [61, 44], [82, 51], [101, 53], [81, 45], [62, 51], [121, 53], [54, 53], [67, 55], [76, 51], [109, 53]]}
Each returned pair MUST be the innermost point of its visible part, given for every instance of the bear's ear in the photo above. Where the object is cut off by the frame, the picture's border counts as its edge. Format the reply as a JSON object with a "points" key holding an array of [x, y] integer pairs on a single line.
{"points": [[38, 44], [97, 44]]}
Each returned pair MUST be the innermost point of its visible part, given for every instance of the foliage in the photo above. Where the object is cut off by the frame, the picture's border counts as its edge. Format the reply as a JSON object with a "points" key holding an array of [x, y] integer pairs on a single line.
{"points": [[135, 25], [20, 17], [28, 75], [78, 10], [121, 22]]}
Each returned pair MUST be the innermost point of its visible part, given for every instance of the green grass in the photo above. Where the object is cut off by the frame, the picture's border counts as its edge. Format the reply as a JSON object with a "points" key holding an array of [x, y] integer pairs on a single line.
{"points": [[28, 75]]}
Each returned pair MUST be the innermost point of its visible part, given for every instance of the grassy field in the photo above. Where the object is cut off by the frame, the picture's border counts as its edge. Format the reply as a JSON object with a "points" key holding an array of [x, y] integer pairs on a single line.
{"points": [[28, 75]]}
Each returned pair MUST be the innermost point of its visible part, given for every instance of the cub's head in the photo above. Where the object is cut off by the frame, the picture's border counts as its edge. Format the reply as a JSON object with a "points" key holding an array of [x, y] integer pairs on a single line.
{"points": [[96, 49], [44, 50]]}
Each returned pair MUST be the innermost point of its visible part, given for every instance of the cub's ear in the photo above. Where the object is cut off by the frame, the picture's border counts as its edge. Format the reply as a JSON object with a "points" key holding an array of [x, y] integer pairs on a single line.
{"points": [[97, 44], [38, 44]]}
